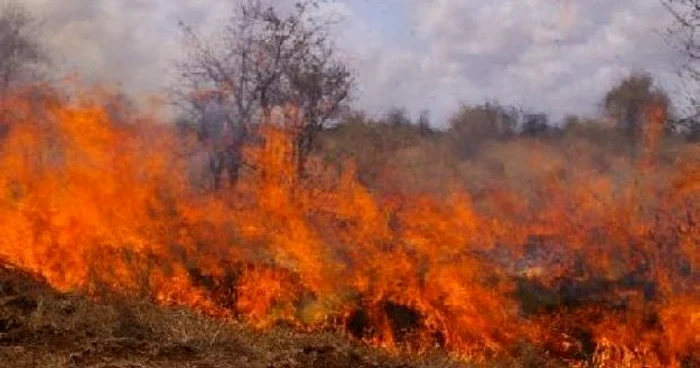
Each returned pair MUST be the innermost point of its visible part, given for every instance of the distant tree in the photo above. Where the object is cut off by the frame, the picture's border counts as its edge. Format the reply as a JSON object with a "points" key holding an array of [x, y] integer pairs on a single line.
{"points": [[21, 55], [571, 124], [260, 60], [596, 132], [574, 125], [397, 116], [625, 103], [424, 122], [472, 126], [535, 124]]}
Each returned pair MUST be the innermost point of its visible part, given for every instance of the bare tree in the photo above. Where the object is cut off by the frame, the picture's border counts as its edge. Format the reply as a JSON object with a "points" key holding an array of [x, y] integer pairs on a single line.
{"points": [[683, 36], [683, 32], [21, 55], [259, 60]]}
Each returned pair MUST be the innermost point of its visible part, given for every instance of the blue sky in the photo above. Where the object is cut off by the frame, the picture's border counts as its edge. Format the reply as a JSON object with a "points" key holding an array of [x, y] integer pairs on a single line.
{"points": [[558, 56]]}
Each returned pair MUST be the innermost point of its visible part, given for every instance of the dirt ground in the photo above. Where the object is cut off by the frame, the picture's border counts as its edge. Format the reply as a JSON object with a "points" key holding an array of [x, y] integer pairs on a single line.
{"points": [[42, 328]]}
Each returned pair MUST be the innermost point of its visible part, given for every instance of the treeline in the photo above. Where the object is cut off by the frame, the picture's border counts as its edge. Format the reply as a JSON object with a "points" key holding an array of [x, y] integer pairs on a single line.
{"points": [[225, 94], [631, 111], [263, 61]]}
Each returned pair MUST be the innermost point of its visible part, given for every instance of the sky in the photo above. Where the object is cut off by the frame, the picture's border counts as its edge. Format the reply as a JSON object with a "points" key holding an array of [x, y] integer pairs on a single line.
{"points": [[554, 56]]}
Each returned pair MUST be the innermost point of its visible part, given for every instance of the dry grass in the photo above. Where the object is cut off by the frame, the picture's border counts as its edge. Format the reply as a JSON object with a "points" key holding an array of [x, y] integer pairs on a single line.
{"points": [[42, 328]]}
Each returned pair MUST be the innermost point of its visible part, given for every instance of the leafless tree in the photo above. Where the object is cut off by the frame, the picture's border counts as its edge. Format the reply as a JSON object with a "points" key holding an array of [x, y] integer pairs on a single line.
{"points": [[259, 60], [686, 14], [21, 56], [683, 36], [23, 64]]}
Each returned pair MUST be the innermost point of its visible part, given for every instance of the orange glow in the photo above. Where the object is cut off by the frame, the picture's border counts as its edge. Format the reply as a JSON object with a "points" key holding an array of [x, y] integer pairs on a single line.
{"points": [[99, 206]]}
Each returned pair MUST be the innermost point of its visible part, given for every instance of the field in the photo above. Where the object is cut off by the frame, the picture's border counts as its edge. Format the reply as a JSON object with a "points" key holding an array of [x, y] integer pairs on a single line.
{"points": [[43, 328], [563, 245]]}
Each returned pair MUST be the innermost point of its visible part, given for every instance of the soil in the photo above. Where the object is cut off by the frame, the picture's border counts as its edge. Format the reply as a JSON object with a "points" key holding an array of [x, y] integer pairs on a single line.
{"points": [[40, 327]]}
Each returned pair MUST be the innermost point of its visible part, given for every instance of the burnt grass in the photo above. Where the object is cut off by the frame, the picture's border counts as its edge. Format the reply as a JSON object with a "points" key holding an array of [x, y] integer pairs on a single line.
{"points": [[40, 327]]}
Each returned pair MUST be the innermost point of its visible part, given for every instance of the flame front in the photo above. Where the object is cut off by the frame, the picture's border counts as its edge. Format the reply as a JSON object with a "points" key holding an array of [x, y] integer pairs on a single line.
{"points": [[96, 205]]}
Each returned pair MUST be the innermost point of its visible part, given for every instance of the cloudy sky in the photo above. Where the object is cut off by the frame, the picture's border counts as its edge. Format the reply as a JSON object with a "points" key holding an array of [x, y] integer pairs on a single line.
{"points": [[556, 56]]}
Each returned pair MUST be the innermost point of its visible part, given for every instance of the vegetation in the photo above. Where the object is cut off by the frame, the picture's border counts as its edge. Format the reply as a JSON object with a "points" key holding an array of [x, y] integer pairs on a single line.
{"points": [[260, 60], [503, 239], [39, 327]]}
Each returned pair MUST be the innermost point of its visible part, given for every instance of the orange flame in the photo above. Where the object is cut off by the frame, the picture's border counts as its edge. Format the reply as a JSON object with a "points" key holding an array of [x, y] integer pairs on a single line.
{"points": [[98, 206]]}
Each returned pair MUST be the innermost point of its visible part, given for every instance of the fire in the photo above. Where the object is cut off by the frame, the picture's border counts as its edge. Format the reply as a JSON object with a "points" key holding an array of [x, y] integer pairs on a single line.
{"points": [[101, 206]]}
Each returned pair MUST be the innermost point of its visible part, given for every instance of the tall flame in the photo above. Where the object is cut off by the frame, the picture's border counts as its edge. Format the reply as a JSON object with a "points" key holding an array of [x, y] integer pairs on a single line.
{"points": [[97, 205]]}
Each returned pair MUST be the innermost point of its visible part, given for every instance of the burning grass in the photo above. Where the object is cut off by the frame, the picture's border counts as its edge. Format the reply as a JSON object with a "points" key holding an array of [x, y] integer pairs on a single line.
{"points": [[592, 266], [41, 327]]}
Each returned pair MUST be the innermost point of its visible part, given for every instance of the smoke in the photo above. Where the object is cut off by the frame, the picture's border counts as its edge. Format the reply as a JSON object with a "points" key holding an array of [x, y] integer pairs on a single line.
{"points": [[129, 42], [559, 56]]}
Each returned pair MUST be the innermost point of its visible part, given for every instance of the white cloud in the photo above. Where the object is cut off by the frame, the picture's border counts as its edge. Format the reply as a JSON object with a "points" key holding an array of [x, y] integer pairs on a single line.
{"points": [[559, 56], [555, 55]]}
